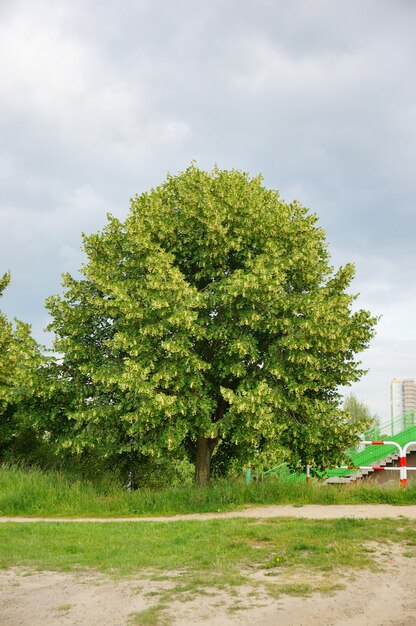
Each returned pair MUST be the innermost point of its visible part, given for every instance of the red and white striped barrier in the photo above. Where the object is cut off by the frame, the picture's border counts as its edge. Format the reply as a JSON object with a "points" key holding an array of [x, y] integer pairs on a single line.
{"points": [[370, 467], [402, 452], [403, 469]]}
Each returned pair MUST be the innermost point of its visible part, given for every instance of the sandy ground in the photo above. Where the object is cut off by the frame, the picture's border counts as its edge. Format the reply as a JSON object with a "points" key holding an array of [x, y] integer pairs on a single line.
{"points": [[382, 598], [29, 598]]}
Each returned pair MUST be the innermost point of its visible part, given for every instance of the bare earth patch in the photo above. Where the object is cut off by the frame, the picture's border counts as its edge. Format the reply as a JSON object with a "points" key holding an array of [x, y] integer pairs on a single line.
{"points": [[381, 598]]}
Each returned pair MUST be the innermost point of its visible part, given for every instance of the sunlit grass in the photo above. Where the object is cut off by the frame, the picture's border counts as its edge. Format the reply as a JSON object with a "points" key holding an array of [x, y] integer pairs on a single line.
{"points": [[215, 548]]}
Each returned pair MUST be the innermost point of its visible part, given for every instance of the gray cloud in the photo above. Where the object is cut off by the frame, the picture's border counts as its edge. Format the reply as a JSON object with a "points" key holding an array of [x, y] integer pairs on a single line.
{"points": [[98, 101]]}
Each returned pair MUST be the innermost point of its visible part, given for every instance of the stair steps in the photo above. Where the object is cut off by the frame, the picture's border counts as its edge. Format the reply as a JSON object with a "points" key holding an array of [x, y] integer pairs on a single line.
{"points": [[358, 474]]}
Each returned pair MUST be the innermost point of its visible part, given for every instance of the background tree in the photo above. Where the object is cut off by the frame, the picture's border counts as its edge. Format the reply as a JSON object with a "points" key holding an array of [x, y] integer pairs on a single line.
{"points": [[20, 358], [356, 409], [209, 321], [359, 412]]}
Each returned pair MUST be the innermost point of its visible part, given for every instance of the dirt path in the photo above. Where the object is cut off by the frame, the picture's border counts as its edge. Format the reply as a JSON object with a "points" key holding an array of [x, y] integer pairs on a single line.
{"points": [[309, 511]]}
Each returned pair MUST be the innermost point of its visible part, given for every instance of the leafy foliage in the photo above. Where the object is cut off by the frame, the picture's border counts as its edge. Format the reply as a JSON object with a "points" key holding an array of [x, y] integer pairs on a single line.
{"points": [[20, 358], [211, 322], [358, 412], [356, 409]]}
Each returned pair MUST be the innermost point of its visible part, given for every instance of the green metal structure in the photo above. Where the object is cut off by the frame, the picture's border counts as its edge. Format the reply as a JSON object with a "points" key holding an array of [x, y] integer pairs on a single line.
{"points": [[405, 428]]}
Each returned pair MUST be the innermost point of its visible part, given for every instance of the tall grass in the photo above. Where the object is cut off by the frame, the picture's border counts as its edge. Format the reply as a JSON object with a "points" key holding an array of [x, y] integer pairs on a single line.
{"points": [[38, 493]]}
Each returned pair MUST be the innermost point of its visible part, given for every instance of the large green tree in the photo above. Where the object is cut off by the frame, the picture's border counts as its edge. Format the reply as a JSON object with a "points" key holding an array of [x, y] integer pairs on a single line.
{"points": [[210, 320]]}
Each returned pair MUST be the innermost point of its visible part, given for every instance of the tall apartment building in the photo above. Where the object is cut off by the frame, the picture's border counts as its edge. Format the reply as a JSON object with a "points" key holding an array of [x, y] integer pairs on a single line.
{"points": [[409, 395], [396, 403], [402, 403]]}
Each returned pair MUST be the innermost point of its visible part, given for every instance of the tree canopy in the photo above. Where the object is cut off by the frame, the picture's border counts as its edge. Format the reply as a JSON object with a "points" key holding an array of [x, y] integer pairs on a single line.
{"points": [[210, 321], [358, 410], [20, 358]]}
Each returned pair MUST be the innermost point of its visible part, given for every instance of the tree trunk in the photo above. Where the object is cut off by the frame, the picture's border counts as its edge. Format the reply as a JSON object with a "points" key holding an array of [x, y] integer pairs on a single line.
{"points": [[204, 449]]}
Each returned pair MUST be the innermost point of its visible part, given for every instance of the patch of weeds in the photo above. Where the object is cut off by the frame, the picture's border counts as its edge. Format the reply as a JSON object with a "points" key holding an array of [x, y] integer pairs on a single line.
{"points": [[153, 616], [276, 561], [237, 606], [302, 546], [64, 608], [305, 585], [347, 523], [330, 589], [302, 590], [151, 594], [409, 555], [218, 604], [226, 580], [187, 589]]}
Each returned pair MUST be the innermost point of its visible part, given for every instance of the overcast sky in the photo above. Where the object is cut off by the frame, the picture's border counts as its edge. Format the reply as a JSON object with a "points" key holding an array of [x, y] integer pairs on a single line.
{"points": [[100, 99]]}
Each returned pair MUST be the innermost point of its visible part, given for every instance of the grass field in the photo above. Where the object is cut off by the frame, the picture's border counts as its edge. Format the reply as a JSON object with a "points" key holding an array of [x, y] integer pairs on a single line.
{"points": [[215, 548], [38, 493], [285, 556]]}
